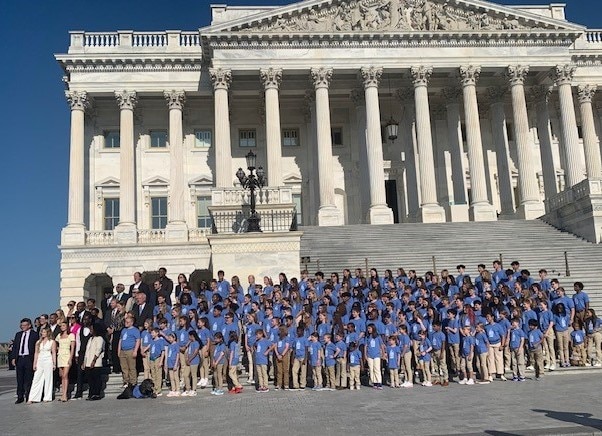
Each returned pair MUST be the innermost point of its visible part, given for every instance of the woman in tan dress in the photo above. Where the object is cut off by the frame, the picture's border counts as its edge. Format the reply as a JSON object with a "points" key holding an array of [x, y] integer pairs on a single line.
{"points": [[66, 350]]}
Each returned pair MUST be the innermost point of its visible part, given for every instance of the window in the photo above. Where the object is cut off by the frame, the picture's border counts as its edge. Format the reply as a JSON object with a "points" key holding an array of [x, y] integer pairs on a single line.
{"points": [[159, 212], [290, 137], [202, 212], [336, 134], [112, 139], [246, 138], [111, 213], [298, 208], [202, 138], [158, 138]]}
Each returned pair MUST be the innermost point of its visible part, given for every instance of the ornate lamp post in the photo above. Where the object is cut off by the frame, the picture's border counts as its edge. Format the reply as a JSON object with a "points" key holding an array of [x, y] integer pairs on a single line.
{"points": [[252, 182]]}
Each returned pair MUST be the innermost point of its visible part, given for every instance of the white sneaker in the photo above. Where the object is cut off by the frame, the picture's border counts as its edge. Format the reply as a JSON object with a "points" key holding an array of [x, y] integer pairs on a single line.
{"points": [[184, 394], [463, 381], [490, 378], [546, 366], [200, 383], [427, 384], [503, 378], [597, 365], [552, 367], [530, 368], [192, 394], [470, 382]]}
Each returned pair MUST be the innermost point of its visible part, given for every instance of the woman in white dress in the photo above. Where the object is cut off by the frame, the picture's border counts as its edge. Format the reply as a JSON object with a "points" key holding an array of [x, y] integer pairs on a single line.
{"points": [[44, 364]]}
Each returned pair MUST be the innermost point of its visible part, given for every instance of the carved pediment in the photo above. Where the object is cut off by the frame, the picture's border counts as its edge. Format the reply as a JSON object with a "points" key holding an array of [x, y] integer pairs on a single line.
{"points": [[109, 182], [392, 16], [202, 180], [292, 178], [156, 181]]}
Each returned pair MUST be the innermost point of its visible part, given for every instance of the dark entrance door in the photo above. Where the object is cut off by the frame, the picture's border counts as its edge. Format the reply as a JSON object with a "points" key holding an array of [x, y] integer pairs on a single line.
{"points": [[391, 193]]}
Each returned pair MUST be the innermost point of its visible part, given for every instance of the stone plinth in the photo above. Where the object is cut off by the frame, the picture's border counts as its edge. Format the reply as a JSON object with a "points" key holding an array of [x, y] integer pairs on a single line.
{"points": [[126, 233], [431, 214], [330, 216], [380, 215], [482, 212], [457, 213], [260, 254], [73, 234]]}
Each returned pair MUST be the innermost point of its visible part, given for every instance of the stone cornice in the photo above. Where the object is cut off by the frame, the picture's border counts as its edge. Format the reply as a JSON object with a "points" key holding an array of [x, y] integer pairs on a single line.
{"points": [[77, 64]]}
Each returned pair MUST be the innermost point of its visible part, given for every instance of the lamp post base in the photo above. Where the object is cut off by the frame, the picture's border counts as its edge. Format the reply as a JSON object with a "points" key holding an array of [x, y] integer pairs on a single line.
{"points": [[253, 223]]}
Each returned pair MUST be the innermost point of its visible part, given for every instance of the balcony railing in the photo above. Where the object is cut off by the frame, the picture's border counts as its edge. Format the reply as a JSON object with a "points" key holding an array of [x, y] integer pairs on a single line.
{"points": [[238, 196], [236, 221], [124, 41], [153, 236]]}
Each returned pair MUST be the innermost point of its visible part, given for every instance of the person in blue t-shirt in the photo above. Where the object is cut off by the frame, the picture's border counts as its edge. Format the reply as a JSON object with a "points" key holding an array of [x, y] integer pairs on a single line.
{"points": [[263, 347], [355, 362], [341, 357], [373, 351], [438, 355], [467, 356], [218, 363], [393, 361], [562, 322], [405, 349], [593, 329], [329, 363], [205, 337], [193, 359], [156, 355], [517, 350], [127, 349], [299, 360], [536, 347], [316, 358], [145, 341], [233, 361], [282, 358], [578, 344], [173, 365], [425, 348]]}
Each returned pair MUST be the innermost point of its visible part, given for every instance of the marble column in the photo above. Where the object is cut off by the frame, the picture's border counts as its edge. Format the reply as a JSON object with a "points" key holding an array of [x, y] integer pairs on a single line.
{"points": [[430, 211], [531, 206], [74, 232], [541, 95], [379, 212], [358, 96], [590, 140], [221, 79], [125, 231], [502, 152], [177, 229], [563, 75], [328, 214], [271, 78], [480, 208], [407, 134]]}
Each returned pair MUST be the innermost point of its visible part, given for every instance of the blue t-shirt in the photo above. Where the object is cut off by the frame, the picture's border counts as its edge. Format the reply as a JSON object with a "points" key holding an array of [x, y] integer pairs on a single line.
{"points": [[190, 350], [393, 353], [281, 345], [145, 338], [234, 349], [437, 340], [481, 342], [314, 352], [182, 335], [342, 348], [300, 345], [405, 344], [535, 337], [156, 348], [260, 348], [217, 351], [545, 318], [355, 357], [373, 347], [578, 337], [468, 343], [329, 350], [516, 335], [424, 347], [561, 323], [173, 351], [452, 338], [494, 333], [129, 336], [580, 300]]}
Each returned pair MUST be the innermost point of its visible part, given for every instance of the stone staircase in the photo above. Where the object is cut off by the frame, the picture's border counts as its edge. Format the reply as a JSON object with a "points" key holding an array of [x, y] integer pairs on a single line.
{"points": [[534, 244]]}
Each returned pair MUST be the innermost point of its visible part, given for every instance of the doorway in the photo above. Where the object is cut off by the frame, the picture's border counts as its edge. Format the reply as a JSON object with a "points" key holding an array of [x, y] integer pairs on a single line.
{"points": [[391, 194]]}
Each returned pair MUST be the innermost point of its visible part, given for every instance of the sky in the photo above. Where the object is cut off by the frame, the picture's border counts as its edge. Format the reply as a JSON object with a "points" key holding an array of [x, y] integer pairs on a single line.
{"points": [[34, 117]]}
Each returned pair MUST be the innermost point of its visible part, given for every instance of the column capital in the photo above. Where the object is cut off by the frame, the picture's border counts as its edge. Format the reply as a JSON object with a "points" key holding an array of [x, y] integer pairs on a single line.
{"points": [[371, 76], [126, 99], [221, 78], [421, 75], [78, 100], [270, 77], [496, 94], [321, 77], [586, 93], [175, 99], [358, 96], [541, 93], [469, 75], [405, 95], [516, 74], [451, 95], [563, 74]]}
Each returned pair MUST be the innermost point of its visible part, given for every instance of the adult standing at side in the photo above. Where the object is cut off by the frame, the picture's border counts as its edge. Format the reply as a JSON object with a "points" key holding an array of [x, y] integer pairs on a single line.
{"points": [[44, 365], [24, 346]]}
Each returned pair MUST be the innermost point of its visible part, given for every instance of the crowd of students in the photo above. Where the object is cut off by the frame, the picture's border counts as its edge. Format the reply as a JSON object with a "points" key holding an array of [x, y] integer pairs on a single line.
{"points": [[342, 332]]}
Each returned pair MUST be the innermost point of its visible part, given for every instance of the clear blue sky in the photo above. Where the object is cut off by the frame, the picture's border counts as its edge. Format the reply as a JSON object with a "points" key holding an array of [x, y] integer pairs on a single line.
{"points": [[35, 120]]}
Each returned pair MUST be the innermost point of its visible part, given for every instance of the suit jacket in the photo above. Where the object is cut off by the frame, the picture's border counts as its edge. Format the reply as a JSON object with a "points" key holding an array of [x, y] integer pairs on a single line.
{"points": [[139, 317], [56, 332], [31, 344], [148, 291]]}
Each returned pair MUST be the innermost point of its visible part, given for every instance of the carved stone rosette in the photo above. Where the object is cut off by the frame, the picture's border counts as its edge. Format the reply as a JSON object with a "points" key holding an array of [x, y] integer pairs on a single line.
{"points": [[516, 74], [469, 75], [563, 74], [221, 78], [421, 75], [586, 93], [496, 94], [175, 99], [126, 99], [371, 76], [541, 93], [321, 77], [78, 100], [270, 77]]}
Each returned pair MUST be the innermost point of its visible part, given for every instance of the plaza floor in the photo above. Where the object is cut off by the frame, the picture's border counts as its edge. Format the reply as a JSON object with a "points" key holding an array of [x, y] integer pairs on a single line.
{"points": [[567, 404]]}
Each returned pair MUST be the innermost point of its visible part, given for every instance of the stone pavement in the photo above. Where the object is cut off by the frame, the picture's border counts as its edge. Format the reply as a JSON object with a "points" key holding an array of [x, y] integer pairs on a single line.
{"points": [[560, 404]]}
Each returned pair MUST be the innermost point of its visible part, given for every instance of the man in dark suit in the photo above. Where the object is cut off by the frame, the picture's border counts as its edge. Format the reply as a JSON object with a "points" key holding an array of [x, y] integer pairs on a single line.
{"points": [[24, 349], [166, 285], [142, 310], [121, 294], [106, 301], [143, 287]]}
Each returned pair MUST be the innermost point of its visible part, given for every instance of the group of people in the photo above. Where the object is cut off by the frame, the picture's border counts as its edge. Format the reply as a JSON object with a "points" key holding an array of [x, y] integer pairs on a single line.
{"points": [[341, 332]]}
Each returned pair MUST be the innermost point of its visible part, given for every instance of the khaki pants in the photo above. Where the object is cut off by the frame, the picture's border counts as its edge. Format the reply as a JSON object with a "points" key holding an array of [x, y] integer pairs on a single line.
{"points": [[331, 376], [129, 372], [251, 364], [317, 376], [299, 373], [440, 365], [155, 374], [425, 366], [518, 362], [594, 347], [184, 367], [232, 372], [374, 370], [548, 348], [262, 375], [563, 339], [205, 363], [218, 376], [354, 376], [189, 372], [454, 354], [466, 366], [507, 355], [495, 359], [283, 371], [174, 378], [146, 366], [341, 370], [578, 355], [406, 362], [483, 368], [394, 376], [538, 361]]}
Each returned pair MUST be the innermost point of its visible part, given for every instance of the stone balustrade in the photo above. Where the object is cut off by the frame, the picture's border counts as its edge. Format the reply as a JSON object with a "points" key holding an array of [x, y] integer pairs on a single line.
{"points": [[238, 196], [104, 237], [152, 236], [124, 41], [198, 235]]}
